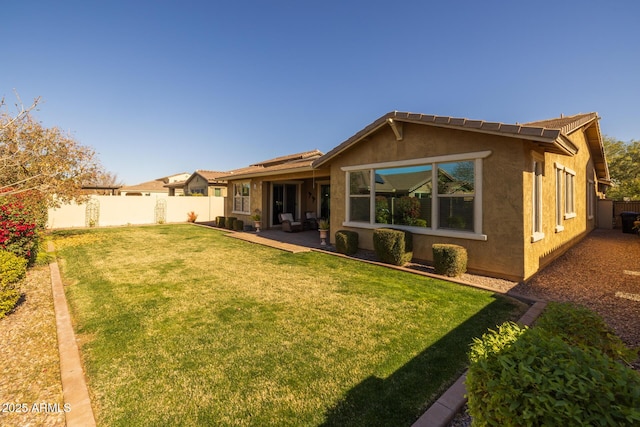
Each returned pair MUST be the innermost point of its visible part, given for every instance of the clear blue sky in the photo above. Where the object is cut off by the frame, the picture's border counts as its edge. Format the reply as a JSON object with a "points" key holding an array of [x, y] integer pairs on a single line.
{"points": [[160, 87]]}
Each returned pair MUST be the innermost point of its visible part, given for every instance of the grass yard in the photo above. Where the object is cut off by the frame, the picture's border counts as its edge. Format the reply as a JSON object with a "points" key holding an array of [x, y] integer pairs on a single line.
{"points": [[179, 325]]}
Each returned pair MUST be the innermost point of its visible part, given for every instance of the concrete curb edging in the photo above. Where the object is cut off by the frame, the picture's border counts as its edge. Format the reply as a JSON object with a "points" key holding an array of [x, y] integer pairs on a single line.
{"points": [[74, 387], [451, 402]]}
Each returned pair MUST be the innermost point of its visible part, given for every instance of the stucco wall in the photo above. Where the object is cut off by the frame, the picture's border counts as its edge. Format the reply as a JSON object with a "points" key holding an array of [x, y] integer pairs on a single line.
{"points": [[116, 210], [502, 220], [507, 182], [540, 253]]}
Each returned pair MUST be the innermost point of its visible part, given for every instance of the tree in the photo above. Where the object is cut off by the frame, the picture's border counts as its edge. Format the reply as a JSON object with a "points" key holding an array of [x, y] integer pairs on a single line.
{"points": [[624, 168], [46, 160]]}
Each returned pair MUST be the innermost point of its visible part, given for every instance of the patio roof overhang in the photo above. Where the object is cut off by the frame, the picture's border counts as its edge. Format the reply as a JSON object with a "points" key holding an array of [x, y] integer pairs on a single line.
{"points": [[274, 173]]}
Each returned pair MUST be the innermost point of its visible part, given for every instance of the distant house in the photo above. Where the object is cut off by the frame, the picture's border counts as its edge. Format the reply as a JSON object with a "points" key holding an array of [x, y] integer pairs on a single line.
{"points": [[149, 188], [154, 187], [286, 184], [204, 183], [514, 195]]}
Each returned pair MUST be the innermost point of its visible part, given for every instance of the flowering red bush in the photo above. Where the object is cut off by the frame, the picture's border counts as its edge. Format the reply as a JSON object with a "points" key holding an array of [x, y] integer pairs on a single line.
{"points": [[20, 220]]}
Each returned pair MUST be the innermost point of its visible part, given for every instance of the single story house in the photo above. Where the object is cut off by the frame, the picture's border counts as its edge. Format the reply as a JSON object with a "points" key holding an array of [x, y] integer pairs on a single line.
{"points": [[286, 184], [516, 196]]}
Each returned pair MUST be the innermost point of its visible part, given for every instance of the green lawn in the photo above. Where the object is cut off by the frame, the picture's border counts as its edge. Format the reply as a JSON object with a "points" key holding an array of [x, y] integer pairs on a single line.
{"points": [[179, 325]]}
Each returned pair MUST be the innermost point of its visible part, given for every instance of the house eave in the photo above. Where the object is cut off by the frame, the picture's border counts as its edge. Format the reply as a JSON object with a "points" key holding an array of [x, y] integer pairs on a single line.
{"points": [[551, 140], [261, 174]]}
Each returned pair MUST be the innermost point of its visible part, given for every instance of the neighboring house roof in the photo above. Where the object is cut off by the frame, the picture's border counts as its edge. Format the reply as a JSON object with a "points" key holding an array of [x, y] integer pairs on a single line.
{"points": [[176, 177], [551, 134], [155, 186], [285, 164], [212, 177]]}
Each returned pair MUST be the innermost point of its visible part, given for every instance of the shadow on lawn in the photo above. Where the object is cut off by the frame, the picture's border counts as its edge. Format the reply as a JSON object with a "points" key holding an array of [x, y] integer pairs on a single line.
{"points": [[401, 398]]}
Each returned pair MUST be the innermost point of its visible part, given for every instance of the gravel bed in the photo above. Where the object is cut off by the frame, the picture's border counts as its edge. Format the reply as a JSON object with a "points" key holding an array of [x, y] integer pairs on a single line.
{"points": [[602, 272]]}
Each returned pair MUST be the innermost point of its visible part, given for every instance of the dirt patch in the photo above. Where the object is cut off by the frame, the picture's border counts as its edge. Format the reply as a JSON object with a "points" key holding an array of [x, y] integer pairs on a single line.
{"points": [[30, 388]]}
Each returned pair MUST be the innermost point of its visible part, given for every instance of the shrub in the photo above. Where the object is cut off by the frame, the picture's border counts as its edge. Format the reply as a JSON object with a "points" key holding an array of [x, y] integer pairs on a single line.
{"points": [[449, 260], [393, 246], [192, 216], [346, 242], [531, 377], [581, 327], [228, 223], [22, 216], [220, 221], [12, 269], [238, 225]]}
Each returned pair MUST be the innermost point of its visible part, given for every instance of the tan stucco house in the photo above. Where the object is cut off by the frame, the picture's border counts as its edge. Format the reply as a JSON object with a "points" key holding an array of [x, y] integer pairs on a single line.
{"points": [[514, 195], [286, 184], [202, 183]]}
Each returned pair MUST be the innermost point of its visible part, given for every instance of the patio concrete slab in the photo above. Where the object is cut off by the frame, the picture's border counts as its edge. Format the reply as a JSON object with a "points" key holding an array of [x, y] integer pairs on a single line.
{"points": [[256, 238]]}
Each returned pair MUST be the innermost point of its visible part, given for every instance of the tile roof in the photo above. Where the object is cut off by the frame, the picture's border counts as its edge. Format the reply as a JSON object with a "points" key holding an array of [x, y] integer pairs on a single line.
{"points": [[565, 124], [279, 165], [550, 134], [289, 158], [210, 175], [155, 185]]}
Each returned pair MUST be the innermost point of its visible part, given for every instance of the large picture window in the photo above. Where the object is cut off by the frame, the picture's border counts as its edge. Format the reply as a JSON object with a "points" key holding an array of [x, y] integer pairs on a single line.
{"points": [[359, 195], [241, 192], [456, 182], [438, 195], [403, 195]]}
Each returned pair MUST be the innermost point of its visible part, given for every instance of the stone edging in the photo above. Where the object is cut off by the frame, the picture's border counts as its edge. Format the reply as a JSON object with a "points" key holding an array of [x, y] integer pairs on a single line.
{"points": [[74, 387]]}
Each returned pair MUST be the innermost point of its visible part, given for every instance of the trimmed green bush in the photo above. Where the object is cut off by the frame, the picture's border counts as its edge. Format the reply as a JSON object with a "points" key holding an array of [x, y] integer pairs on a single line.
{"points": [[581, 327], [449, 260], [238, 225], [228, 223], [346, 242], [533, 377], [393, 246], [220, 221], [12, 269]]}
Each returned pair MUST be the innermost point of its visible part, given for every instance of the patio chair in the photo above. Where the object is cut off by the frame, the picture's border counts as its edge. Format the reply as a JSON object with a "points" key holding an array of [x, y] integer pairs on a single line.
{"points": [[288, 224], [310, 221]]}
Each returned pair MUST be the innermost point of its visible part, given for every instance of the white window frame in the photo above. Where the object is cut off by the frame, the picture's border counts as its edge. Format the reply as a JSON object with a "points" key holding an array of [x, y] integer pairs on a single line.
{"points": [[537, 168], [245, 200], [591, 190], [476, 157], [559, 176], [569, 194]]}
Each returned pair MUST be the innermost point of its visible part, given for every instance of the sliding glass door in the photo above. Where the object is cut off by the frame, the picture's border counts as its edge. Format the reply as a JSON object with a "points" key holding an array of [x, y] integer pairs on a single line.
{"points": [[284, 198]]}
